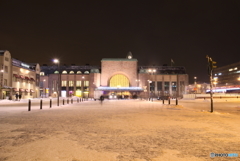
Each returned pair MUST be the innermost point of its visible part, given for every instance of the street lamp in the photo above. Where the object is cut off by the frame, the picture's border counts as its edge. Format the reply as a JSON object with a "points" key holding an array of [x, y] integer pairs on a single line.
{"points": [[56, 61], [151, 72], [1, 83]]}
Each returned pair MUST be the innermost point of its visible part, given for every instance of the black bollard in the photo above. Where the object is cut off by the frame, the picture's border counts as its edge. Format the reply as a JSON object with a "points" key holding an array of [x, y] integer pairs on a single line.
{"points": [[29, 105], [163, 101], [40, 104], [77, 100], [72, 101], [67, 101], [169, 102], [176, 101], [50, 103], [63, 102]]}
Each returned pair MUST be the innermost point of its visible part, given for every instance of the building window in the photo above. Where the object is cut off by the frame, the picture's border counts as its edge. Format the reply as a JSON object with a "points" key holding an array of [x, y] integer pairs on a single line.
{"points": [[174, 86], [5, 82], [64, 83], [70, 83], [79, 72], [166, 86], [159, 86], [86, 85], [119, 80], [78, 83], [56, 72], [6, 69], [152, 86], [6, 59], [86, 72], [64, 72], [42, 73]]}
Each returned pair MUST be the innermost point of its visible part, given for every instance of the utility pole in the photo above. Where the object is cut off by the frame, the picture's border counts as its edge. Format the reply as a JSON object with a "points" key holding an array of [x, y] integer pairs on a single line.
{"points": [[211, 66]]}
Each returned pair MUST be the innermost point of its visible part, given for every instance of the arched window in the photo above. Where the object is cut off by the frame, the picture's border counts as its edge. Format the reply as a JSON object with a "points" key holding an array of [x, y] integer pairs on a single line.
{"points": [[64, 72], [42, 73], [56, 72], [119, 80], [86, 72], [79, 72], [71, 72]]}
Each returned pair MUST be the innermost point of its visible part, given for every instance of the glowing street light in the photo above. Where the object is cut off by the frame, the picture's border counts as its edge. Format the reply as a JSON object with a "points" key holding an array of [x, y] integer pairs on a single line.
{"points": [[56, 61]]}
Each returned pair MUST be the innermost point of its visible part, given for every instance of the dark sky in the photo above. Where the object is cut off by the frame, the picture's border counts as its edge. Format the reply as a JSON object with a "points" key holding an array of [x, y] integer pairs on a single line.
{"points": [[83, 32]]}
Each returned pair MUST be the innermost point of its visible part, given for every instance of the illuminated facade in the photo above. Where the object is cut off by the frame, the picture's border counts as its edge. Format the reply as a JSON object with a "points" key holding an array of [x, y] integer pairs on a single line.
{"points": [[116, 78], [227, 75], [18, 77]]}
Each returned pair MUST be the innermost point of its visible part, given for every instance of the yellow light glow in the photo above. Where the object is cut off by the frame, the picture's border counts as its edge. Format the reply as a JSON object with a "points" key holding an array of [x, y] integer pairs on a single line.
{"points": [[119, 80]]}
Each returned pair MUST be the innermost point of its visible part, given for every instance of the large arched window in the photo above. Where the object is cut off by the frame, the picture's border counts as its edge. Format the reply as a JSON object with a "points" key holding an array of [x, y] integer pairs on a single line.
{"points": [[71, 72], [79, 72], [119, 80], [56, 72], [86, 72], [64, 72]]}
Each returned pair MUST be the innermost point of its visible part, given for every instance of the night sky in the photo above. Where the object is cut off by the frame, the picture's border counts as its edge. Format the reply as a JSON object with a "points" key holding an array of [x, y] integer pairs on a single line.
{"points": [[84, 32]]}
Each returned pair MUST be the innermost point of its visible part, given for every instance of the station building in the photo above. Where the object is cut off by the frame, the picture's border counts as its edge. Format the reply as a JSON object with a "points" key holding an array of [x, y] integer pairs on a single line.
{"points": [[115, 78], [18, 77]]}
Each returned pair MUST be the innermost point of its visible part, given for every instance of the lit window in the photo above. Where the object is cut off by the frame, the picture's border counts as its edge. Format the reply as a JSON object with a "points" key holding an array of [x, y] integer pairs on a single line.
{"points": [[219, 73], [71, 72], [230, 70], [64, 83], [235, 68], [70, 83], [78, 83], [42, 73], [64, 72], [86, 72], [56, 72], [79, 72]]}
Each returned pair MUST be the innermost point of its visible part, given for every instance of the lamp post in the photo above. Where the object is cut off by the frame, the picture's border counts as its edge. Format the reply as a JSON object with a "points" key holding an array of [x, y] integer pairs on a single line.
{"points": [[56, 61], [151, 72], [1, 83]]}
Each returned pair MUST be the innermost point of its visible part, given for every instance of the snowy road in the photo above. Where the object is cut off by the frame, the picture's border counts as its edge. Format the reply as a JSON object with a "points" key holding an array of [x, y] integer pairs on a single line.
{"points": [[119, 130]]}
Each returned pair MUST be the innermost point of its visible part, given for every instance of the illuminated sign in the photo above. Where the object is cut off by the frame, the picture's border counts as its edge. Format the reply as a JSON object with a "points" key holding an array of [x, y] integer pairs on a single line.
{"points": [[25, 65]]}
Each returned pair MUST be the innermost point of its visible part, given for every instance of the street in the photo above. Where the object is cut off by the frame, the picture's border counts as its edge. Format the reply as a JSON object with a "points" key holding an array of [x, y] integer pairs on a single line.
{"points": [[120, 130]]}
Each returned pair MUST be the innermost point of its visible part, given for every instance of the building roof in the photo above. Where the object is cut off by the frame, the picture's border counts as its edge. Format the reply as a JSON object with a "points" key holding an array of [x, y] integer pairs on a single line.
{"points": [[2, 52], [118, 59]]}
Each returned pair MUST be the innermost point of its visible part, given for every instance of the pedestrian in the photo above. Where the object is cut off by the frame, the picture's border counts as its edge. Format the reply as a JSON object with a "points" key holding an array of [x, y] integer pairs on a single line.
{"points": [[101, 99], [20, 96], [16, 95]]}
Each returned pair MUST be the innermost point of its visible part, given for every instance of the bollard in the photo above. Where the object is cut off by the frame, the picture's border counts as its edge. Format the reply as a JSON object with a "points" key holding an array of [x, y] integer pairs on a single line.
{"points": [[169, 102], [176, 101], [40, 104], [67, 101], [72, 101], [77, 100], [63, 102], [29, 105], [50, 103], [163, 101]]}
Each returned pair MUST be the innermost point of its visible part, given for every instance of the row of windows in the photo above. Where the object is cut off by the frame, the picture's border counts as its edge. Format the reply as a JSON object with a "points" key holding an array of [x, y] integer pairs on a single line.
{"points": [[65, 72], [78, 83], [165, 86]]}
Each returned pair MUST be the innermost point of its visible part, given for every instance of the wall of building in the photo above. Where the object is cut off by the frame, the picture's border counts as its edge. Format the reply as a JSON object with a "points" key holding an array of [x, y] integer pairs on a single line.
{"points": [[112, 67]]}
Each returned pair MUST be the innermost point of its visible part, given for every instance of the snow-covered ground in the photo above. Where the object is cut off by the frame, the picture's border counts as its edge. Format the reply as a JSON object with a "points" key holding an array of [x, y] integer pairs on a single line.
{"points": [[119, 130]]}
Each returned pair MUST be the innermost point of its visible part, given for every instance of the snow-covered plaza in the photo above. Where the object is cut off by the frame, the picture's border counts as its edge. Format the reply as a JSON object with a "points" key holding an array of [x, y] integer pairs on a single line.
{"points": [[119, 130]]}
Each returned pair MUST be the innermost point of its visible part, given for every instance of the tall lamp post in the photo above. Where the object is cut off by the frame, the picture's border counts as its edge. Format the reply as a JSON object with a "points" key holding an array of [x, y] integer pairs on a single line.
{"points": [[56, 61], [1, 83], [151, 72]]}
